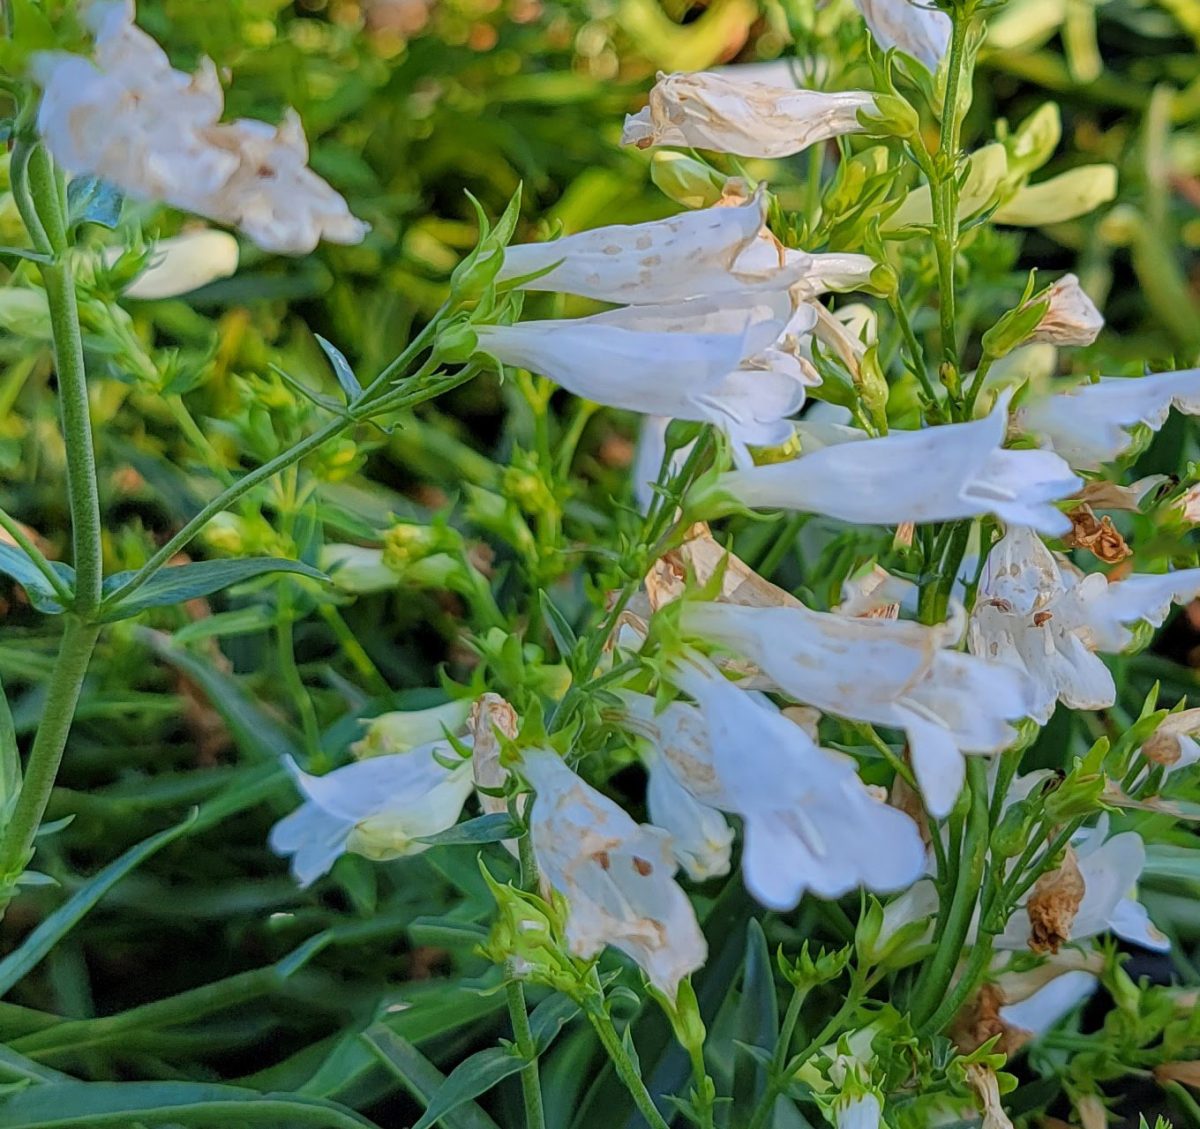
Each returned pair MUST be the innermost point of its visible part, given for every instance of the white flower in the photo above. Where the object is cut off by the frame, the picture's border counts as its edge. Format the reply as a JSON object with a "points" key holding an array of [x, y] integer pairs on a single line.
{"points": [[1039, 614], [942, 473], [356, 568], [810, 823], [701, 838], [889, 672], [1031, 615], [1037, 1013], [616, 876], [1088, 425], [181, 264], [722, 250], [863, 1112], [379, 808], [917, 29], [745, 118], [398, 731], [154, 132], [1110, 868], [720, 364], [1173, 744], [1071, 318]]}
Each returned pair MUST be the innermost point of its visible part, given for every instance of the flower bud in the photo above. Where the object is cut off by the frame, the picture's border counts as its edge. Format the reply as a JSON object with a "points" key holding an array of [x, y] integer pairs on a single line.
{"points": [[473, 276], [24, 313], [1071, 317], [401, 730], [357, 570], [1015, 327], [1064, 197], [456, 342], [686, 180], [181, 264], [892, 116]]}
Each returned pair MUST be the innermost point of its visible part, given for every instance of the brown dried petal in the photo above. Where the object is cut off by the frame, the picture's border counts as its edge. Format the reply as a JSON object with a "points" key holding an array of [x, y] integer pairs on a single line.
{"points": [[1053, 905], [1098, 535]]}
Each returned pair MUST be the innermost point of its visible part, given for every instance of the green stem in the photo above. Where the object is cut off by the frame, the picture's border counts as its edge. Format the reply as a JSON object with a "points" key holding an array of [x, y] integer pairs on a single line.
{"points": [[603, 1025], [935, 978], [354, 650], [294, 684], [945, 201], [59, 280], [66, 681], [531, 1086], [981, 956], [916, 356]]}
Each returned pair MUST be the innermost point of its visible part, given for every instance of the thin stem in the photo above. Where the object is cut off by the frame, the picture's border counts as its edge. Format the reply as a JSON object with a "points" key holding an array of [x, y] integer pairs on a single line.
{"points": [[981, 956], [936, 976], [945, 201], [294, 684], [62, 695], [531, 1086], [354, 650], [916, 365], [603, 1025], [14, 530]]}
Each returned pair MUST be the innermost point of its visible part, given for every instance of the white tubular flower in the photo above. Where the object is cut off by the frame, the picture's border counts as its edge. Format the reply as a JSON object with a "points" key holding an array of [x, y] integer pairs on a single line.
{"points": [[379, 808], [616, 876], [747, 119], [356, 568], [398, 731], [693, 360], [1071, 318], [863, 1112], [722, 250], [1173, 744], [701, 838], [937, 474], [1036, 1014], [1039, 614], [153, 131], [914, 28], [810, 823], [1110, 868], [889, 672], [1089, 424], [181, 264], [1030, 615]]}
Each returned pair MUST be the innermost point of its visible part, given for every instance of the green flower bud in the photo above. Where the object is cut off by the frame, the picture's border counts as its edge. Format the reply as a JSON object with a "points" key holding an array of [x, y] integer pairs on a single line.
{"points": [[1014, 328], [1011, 837], [686, 180], [456, 342]]}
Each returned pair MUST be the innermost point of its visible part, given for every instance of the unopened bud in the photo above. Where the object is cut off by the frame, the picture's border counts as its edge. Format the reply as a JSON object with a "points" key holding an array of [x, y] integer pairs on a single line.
{"points": [[686, 180]]}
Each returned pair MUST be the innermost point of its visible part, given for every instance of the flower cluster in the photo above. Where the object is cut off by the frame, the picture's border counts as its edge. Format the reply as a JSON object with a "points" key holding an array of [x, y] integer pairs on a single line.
{"points": [[154, 132]]}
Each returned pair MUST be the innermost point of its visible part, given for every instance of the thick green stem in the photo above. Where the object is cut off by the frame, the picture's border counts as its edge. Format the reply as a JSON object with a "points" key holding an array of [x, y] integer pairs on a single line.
{"points": [[935, 978], [531, 1086], [623, 1064], [83, 492], [66, 680]]}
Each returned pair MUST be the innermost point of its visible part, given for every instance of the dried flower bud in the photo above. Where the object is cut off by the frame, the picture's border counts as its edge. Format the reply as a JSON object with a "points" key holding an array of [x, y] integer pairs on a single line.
{"points": [[1098, 535], [1071, 317], [1053, 904]]}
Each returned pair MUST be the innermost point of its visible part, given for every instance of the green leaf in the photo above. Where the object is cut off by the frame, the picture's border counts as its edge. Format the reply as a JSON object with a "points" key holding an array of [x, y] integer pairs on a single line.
{"points": [[178, 583], [549, 1018], [92, 200], [757, 1022], [26, 254], [482, 829], [53, 928], [15, 563], [10, 754], [564, 635], [423, 1080], [470, 1078], [88, 1105], [341, 369]]}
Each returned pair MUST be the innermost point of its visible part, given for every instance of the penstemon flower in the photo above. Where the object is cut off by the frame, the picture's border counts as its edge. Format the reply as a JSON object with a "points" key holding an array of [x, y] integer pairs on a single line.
{"points": [[616, 876], [181, 264], [701, 838], [154, 132], [381, 808], [936, 474], [1040, 615], [885, 671], [748, 119], [1109, 867], [718, 251], [1089, 424], [736, 366], [918, 29], [810, 823]]}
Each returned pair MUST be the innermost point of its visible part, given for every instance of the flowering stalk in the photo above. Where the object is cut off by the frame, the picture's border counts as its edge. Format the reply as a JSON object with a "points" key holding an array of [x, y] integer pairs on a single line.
{"points": [[40, 198], [626, 1070]]}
